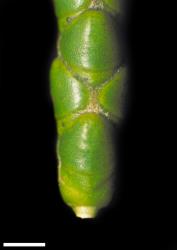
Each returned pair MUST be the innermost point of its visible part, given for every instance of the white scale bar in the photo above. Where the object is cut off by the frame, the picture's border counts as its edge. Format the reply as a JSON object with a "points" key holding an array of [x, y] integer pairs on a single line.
{"points": [[7, 244]]}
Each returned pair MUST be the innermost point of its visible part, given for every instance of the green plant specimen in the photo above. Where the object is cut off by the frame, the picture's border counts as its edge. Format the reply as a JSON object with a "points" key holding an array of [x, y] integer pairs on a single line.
{"points": [[86, 87]]}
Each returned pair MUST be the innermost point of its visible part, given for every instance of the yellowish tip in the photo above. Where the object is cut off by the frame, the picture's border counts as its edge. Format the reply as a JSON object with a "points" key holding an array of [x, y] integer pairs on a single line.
{"points": [[85, 212]]}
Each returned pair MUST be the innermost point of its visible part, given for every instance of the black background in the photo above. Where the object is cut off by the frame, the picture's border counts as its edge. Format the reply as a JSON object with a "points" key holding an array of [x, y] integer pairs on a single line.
{"points": [[143, 214]]}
